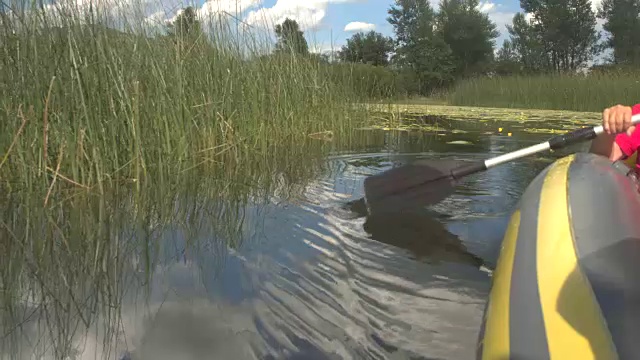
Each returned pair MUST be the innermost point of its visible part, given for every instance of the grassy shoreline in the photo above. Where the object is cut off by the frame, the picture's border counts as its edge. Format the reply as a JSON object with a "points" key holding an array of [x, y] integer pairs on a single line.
{"points": [[583, 92], [588, 93]]}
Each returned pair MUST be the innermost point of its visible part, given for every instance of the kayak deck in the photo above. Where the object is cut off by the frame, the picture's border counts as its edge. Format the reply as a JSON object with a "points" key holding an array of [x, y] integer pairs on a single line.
{"points": [[567, 283]]}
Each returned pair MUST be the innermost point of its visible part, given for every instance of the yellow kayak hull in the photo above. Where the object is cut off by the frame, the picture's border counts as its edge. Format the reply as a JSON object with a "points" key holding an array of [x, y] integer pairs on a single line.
{"points": [[567, 282]]}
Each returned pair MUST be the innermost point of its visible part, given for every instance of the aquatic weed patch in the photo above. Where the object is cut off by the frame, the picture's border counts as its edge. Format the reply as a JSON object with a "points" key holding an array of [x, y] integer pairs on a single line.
{"points": [[458, 119]]}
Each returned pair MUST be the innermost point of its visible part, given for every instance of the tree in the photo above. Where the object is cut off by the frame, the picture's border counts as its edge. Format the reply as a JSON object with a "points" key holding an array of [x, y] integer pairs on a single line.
{"points": [[566, 29], [508, 60], [371, 48], [419, 48], [291, 38], [186, 25], [526, 45], [622, 22], [469, 33]]}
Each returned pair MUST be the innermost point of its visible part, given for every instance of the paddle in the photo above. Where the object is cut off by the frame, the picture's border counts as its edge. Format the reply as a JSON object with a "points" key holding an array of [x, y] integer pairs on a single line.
{"points": [[427, 182]]}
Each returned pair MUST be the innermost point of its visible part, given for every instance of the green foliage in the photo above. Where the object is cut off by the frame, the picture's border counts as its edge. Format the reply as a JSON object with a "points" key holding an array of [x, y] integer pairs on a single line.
{"points": [[527, 45], [524, 47], [469, 33], [537, 66], [290, 38], [371, 48], [565, 30], [615, 69], [622, 22], [578, 92], [412, 20], [434, 50], [420, 49], [508, 60], [368, 81], [186, 25]]}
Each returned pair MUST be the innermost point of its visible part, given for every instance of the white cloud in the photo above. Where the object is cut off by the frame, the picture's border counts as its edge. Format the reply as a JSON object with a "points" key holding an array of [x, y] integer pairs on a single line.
{"points": [[154, 13], [322, 48], [486, 6], [156, 20], [355, 26], [501, 19], [174, 17], [308, 13], [216, 7], [148, 12]]}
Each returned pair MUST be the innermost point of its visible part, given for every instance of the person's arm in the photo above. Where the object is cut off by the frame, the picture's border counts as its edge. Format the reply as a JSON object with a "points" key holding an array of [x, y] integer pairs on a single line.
{"points": [[617, 146], [628, 142], [606, 145]]}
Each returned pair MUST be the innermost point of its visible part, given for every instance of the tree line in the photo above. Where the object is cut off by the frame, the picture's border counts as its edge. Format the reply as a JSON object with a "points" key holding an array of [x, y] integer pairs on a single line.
{"points": [[432, 49], [458, 40]]}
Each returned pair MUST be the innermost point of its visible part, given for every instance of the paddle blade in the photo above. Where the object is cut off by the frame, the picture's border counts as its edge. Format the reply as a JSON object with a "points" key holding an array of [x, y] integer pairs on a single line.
{"points": [[410, 187]]}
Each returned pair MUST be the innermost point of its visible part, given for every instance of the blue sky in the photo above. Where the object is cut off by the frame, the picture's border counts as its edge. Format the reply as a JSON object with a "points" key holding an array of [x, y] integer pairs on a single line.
{"points": [[374, 13]]}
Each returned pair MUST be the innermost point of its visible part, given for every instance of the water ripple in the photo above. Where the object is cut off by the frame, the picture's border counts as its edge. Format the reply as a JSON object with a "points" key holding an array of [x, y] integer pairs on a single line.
{"points": [[313, 280], [322, 289]]}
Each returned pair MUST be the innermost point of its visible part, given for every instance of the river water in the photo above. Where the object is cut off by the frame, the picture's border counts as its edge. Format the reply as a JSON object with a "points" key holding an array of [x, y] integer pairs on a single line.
{"points": [[310, 279]]}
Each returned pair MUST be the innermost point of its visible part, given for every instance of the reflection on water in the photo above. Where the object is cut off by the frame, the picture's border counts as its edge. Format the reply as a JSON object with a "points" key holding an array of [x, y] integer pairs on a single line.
{"points": [[196, 271], [417, 231]]}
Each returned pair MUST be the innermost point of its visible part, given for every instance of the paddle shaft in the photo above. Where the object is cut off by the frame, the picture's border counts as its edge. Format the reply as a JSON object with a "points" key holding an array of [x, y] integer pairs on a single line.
{"points": [[556, 142]]}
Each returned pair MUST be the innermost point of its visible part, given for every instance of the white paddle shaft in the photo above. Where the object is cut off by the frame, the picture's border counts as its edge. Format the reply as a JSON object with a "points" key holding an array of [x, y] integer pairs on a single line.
{"points": [[635, 119]]}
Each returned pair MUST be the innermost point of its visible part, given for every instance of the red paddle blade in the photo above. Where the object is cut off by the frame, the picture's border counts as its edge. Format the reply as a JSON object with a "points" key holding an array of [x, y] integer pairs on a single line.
{"points": [[410, 187]]}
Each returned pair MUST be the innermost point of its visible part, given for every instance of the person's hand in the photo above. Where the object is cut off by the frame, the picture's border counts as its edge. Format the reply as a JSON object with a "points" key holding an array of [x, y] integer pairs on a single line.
{"points": [[617, 119]]}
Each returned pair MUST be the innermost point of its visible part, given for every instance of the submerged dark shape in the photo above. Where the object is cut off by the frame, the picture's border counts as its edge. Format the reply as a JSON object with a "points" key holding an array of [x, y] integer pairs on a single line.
{"points": [[418, 231], [358, 208]]}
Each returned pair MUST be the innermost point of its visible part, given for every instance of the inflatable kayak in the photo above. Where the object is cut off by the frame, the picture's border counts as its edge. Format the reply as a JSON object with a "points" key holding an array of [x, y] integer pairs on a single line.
{"points": [[567, 282]]}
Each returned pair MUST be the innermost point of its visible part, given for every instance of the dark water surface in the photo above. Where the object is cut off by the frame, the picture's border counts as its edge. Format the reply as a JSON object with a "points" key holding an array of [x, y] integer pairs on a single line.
{"points": [[301, 278]]}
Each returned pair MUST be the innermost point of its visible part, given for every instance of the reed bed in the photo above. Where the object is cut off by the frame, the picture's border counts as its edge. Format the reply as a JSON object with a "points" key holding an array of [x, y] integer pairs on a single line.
{"points": [[88, 99], [590, 92], [112, 132]]}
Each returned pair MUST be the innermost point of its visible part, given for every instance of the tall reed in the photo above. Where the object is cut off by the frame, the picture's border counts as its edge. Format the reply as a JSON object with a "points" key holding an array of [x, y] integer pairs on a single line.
{"points": [[110, 133], [88, 98], [583, 92]]}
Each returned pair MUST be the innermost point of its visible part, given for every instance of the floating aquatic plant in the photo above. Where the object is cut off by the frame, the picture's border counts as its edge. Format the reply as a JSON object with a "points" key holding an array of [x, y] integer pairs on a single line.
{"points": [[442, 119]]}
